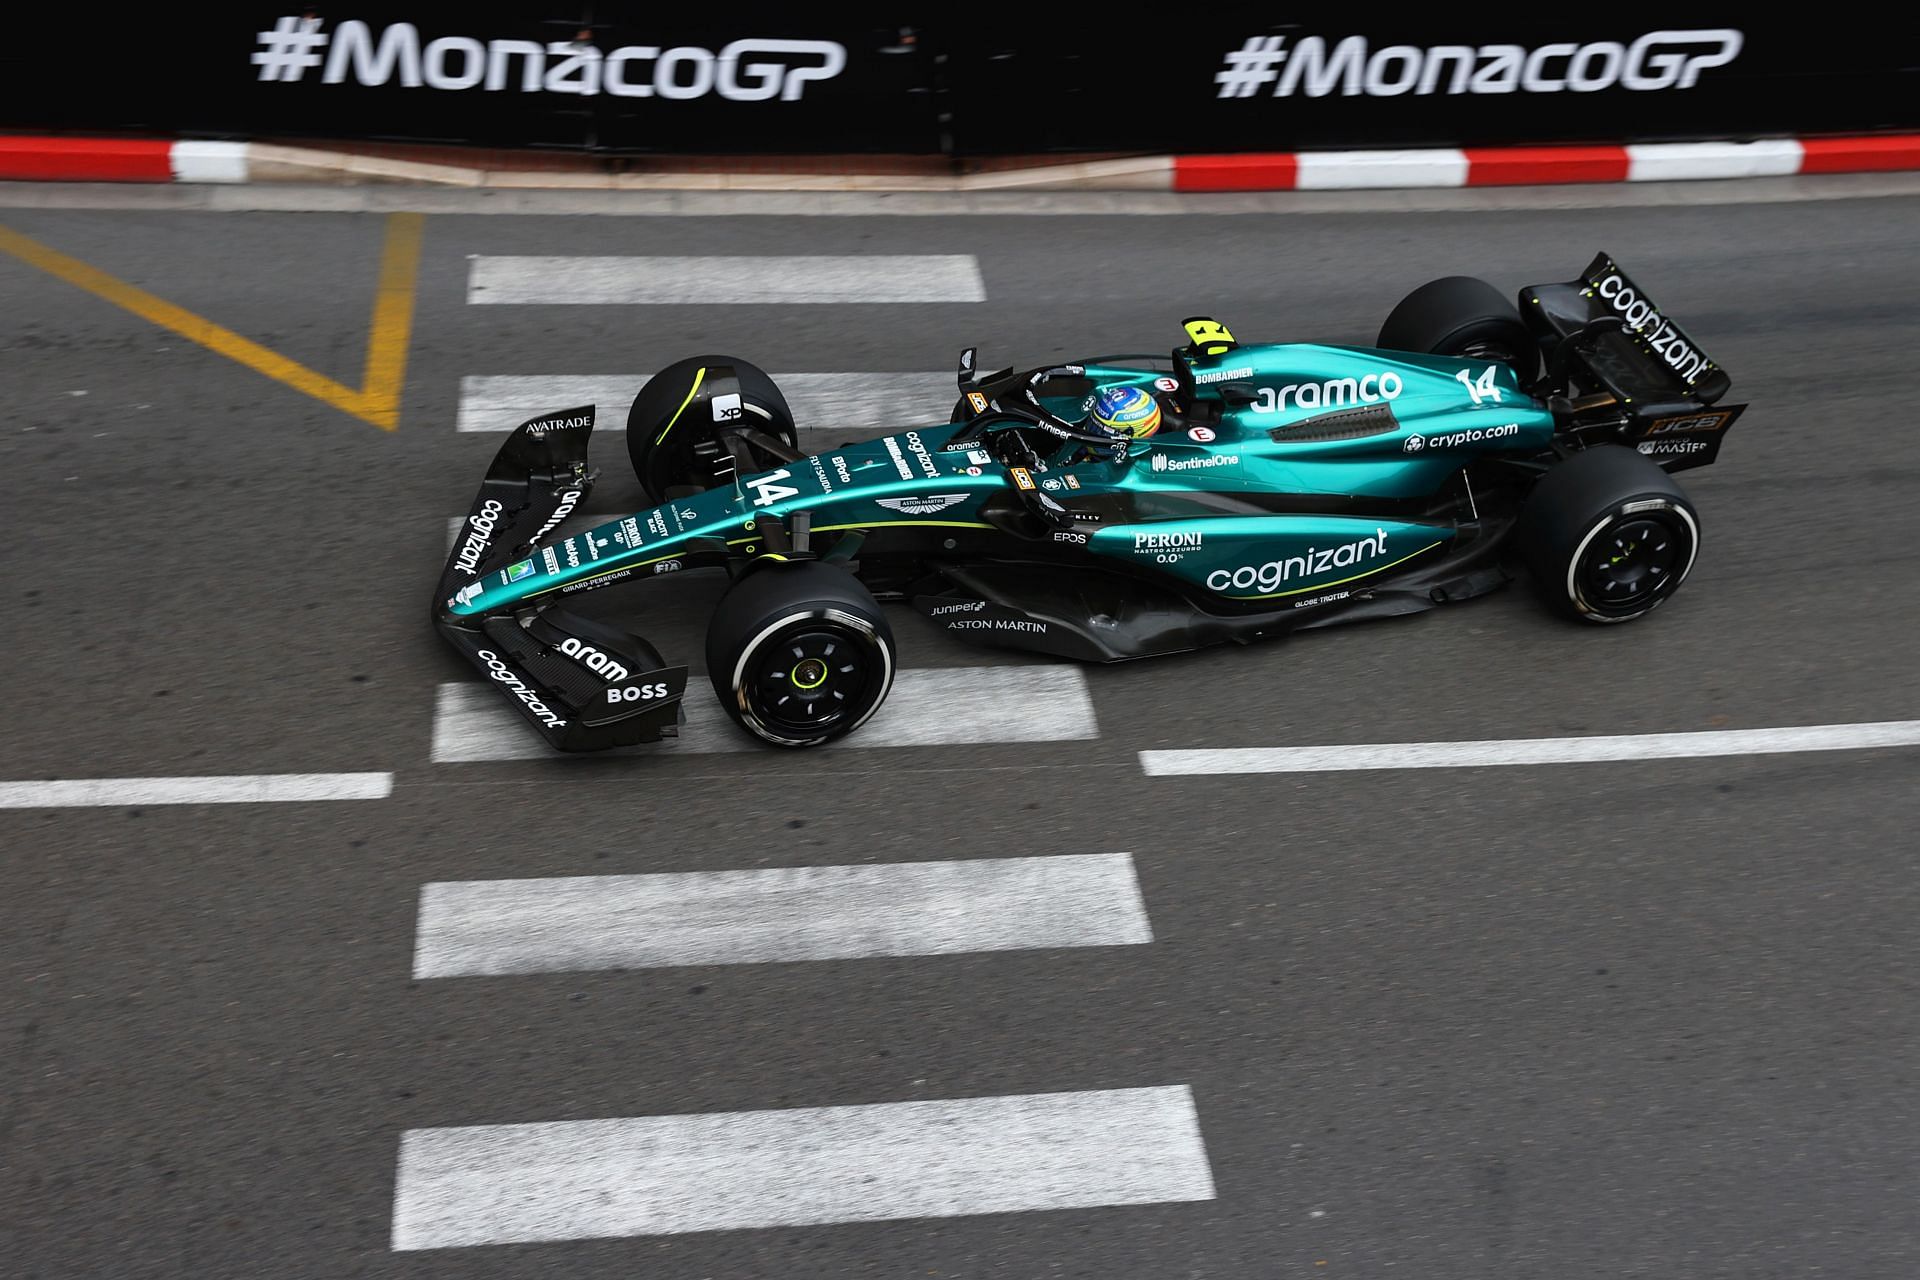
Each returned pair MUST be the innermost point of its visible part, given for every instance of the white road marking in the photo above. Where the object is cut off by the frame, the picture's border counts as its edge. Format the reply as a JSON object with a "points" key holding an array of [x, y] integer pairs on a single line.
{"points": [[820, 401], [494, 927], [684, 281], [928, 707], [237, 789], [1529, 751], [657, 1175]]}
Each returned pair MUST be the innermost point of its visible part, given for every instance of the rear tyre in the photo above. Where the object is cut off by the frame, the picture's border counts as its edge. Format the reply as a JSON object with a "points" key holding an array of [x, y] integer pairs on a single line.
{"points": [[1608, 535], [675, 450], [799, 654], [1465, 317]]}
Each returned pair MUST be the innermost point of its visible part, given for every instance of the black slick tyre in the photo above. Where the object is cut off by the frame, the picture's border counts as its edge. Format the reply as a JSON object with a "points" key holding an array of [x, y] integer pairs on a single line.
{"points": [[800, 653], [1462, 316], [1607, 535], [672, 447]]}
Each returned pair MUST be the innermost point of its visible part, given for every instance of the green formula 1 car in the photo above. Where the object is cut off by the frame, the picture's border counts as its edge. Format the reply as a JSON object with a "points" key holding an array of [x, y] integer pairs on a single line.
{"points": [[1282, 486]]}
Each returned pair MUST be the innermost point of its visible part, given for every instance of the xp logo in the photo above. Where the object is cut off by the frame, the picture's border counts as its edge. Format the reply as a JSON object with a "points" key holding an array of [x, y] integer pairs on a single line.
{"points": [[637, 693], [726, 408]]}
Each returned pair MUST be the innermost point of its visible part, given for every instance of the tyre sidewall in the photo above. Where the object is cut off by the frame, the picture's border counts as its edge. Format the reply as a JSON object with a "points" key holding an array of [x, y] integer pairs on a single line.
{"points": [[1577, 502], [774, 600], [1576, 595]]}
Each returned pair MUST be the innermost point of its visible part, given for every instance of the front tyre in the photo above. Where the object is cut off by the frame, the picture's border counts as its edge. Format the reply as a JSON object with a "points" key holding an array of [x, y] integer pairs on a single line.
{"points": [[672, 439], [1608, 535], [799, 654]]}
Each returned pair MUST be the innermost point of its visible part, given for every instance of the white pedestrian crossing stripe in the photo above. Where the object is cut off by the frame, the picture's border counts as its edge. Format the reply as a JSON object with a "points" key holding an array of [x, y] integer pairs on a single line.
{"points": [[928, 707], [692, 281], [572, 924], [832, 402], [657, 1175]]}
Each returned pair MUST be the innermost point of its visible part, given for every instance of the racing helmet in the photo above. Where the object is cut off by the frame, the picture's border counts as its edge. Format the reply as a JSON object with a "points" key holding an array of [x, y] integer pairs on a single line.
{"points": [[1128, 410]]}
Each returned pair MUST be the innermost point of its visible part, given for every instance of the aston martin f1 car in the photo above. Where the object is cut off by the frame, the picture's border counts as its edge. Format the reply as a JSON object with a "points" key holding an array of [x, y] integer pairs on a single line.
{"points": [[1287, 486]]}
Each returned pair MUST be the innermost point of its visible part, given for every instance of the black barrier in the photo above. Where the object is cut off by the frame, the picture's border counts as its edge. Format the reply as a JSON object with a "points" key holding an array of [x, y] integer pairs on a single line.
{"points": [[800, 79], [1223, 82]]}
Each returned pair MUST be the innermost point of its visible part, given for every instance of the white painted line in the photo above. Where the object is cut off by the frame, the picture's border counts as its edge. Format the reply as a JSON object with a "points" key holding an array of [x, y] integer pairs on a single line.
{"points": [[928, 707], [238, 789], [659, 1175], [875, 277], [822, 401], [492, 927], [208, 161], [1669, 161], [1358, 170], [1527, 751]]}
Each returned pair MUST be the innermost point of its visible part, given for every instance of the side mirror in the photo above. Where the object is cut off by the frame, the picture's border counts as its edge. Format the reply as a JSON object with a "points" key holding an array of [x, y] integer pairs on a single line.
{"points": [[967, 357], [1237, 393]]}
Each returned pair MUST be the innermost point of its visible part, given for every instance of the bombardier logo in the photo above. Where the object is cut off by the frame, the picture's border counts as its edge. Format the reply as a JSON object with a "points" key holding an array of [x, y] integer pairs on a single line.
{"points": [[922, 506]]}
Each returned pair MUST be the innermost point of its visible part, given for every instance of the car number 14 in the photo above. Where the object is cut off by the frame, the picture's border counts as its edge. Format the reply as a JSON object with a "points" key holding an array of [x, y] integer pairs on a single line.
{"points": [[1480, 388]]}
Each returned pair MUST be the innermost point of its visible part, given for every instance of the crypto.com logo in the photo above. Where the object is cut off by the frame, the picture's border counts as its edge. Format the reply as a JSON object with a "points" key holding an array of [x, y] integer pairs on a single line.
{"points": [[295, 45]]}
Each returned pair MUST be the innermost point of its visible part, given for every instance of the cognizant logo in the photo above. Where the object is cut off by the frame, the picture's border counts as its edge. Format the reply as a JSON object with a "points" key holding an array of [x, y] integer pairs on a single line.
{"points": [[1317, 560]]}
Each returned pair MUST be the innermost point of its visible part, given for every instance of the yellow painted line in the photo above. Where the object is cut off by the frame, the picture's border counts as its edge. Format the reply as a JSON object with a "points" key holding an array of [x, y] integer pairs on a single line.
{"points": [[392, 325], [377, 402]]}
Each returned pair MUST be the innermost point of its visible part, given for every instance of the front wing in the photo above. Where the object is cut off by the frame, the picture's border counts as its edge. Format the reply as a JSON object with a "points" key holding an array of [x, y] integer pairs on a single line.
{"points": [[582, 684]]}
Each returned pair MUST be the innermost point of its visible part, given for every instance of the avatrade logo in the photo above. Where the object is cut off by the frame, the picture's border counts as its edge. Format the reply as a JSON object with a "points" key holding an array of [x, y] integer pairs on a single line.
{"points": [[922, 506], [1161, 462]]}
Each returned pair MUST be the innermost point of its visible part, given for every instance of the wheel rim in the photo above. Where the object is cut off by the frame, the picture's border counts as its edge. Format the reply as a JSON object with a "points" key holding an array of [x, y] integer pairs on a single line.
{"points": [[1631, 564], [1494, 351], [810, 680]]}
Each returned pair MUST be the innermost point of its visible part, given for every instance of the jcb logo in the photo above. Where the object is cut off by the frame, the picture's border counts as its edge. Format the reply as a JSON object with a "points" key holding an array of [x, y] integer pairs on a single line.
{"points": [[1694, 422]]}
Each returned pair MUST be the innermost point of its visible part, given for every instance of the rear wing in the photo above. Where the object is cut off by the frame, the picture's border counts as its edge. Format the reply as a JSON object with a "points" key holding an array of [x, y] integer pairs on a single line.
{"points": [[1605, 332]]}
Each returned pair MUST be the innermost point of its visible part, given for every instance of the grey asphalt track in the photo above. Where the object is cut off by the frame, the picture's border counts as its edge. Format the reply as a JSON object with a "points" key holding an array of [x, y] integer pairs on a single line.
{"points": [[1633, 1019]]}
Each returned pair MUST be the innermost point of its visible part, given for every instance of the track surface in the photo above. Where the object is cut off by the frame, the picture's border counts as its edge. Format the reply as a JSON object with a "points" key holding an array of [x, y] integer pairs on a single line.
{"points": [[1652, 1018]]}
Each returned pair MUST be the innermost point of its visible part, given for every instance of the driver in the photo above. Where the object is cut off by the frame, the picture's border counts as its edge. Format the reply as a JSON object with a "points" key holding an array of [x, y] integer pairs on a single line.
{"points": [[1127, 410]]}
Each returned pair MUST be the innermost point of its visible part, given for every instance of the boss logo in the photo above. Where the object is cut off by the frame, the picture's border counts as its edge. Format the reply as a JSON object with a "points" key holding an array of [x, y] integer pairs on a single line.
{"points": [[637, 693]]}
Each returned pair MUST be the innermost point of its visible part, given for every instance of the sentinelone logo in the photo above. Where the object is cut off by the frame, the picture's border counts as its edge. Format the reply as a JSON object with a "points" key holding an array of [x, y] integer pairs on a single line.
{"points": [[1657, 60], [294, 47]]}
